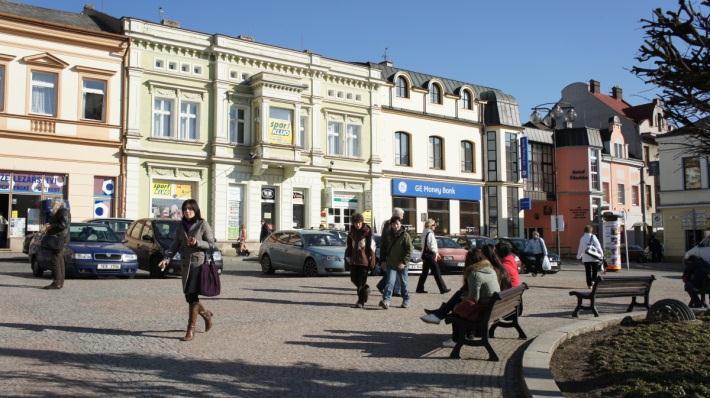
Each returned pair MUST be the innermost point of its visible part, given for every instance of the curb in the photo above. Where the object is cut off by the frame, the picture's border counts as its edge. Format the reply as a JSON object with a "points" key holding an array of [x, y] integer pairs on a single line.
{"points": [[537, 376]]}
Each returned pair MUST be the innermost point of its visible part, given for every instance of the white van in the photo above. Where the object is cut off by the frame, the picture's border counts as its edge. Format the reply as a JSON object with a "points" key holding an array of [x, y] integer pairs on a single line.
{"points": [[701, 250]]}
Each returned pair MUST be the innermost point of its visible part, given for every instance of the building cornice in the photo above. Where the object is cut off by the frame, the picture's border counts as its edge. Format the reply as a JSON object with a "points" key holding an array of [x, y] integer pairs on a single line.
{"points": [[433, 116], [430, 177], [60, 138]]}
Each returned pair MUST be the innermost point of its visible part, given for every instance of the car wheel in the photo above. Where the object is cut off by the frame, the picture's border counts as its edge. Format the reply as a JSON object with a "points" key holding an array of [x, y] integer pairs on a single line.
{"points": [[154, 268], [36, 270], [266, 266], [310, 268]]}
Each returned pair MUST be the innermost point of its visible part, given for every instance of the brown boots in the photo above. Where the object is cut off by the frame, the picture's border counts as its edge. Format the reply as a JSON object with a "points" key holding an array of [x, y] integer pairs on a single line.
{"points": [[195, 310]]}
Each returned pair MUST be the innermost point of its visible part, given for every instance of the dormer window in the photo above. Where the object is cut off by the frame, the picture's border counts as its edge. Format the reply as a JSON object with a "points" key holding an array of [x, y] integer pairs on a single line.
{"points": [[466, 99], [435, 94], [402, 88]]}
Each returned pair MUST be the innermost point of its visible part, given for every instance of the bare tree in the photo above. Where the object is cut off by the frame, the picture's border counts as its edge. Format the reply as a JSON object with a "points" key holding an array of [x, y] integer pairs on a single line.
{"points": [[675, 57]]}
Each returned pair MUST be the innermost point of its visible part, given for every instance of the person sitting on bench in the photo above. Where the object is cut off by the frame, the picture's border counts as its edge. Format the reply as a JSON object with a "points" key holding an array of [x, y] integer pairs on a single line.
{"points": [[695, 277]]}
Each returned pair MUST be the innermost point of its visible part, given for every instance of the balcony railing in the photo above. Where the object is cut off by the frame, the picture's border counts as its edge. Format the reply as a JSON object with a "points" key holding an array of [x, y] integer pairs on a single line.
{"points": [[43, 126]]}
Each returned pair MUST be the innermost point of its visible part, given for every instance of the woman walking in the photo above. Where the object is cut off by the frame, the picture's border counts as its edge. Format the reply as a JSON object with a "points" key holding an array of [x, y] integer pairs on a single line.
{"points": [[430, 257], [399, 252], [193, 237], [58, 233], [590, 252], [359, 255], [536, 246]]}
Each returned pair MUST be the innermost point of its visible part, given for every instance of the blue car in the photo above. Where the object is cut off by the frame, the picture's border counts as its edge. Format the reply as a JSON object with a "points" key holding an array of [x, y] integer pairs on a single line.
{"points": [[93, 250]]}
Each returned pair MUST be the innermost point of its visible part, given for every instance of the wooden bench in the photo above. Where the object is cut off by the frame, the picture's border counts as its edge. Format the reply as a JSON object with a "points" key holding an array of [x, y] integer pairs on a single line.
{"points": [[502, 310], [615, 286]]}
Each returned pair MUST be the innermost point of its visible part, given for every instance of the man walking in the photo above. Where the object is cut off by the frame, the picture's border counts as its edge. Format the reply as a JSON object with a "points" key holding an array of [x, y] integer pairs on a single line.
{"points": [[384, 248], [430, 257]]}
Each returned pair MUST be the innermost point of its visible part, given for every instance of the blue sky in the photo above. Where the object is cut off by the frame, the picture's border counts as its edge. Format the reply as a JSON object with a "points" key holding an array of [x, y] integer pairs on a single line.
{"points": [[530, 49]]}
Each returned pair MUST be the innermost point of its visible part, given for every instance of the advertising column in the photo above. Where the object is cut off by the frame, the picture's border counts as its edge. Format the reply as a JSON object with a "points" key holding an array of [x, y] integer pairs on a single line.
{"points": [[612, 242]]}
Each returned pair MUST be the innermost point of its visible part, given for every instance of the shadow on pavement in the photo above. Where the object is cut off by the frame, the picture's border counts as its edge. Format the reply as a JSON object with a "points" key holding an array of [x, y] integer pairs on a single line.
{"points": [[352, 292], [130, 374], [342, 289], [88, 330], [22, 259], [276, 301]]}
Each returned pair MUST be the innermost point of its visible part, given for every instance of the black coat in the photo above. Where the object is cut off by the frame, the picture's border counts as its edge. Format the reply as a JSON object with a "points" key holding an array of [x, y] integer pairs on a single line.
{"points": [[59, 224]]}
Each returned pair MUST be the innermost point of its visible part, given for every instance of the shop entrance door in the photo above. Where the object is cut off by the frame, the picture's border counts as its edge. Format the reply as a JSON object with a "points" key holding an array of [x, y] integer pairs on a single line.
{"points": [[268, 213], [4, 220], [25, 211], [299, 210]]}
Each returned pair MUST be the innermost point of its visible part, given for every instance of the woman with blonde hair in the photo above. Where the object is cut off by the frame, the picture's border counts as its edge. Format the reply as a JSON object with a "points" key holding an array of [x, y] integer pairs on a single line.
{"points": [[430, 257]]}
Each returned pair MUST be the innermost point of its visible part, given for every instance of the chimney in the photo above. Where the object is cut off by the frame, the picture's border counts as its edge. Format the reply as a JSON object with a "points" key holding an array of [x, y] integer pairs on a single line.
{"points": [[170, 22], [617, 93], [594, 86], [89, 7], [387, 62], [245, 38]]}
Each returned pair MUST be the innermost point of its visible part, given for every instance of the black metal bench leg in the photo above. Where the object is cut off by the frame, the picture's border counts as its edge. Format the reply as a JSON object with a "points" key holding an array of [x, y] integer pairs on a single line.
{"points": [[492, 356], [492, 330], [645, 302], [594, 308], [460, 334], [632, 305], [579, 305], [521, 334]]}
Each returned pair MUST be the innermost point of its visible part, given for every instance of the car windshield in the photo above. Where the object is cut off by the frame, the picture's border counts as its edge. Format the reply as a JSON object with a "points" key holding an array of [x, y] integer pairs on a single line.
{"points": [[118, 226], [447, 243], [323, 240], [519, 244], [165, 230], [92, 233]]}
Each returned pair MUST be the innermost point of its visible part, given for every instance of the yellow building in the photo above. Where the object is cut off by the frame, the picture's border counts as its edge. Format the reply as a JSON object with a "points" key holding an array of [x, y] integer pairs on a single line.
{"points": [[60, 115]]}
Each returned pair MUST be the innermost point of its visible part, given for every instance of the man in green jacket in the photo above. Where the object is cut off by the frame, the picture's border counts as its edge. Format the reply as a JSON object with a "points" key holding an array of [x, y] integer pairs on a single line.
{"points": [[398, 255], [384, 247]]}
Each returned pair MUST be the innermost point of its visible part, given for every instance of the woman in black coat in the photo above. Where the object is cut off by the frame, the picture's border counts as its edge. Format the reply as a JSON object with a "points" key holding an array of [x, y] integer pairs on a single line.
{"points": [[193, 237], [58, 230]]}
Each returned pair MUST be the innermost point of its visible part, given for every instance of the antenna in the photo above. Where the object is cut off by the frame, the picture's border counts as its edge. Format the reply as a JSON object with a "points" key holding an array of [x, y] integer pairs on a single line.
{"points": [[161, 12], [384, 56]]}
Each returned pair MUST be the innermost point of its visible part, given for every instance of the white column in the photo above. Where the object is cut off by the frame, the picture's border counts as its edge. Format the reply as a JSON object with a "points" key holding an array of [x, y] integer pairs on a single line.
{"points": [[134, 111], [220, 113], [422, 209], [220, 184], [454, 216], [264, 133], [252, 211], [284, 210], [132, 187]]}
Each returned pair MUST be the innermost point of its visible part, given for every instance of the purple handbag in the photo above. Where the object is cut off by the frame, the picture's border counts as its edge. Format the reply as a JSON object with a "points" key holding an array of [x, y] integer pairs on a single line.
{"points": [[210, 285]]}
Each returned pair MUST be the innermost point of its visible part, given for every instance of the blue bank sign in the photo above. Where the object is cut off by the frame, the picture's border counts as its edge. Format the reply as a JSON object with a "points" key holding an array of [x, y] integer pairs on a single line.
{"points": [[437, 190]]}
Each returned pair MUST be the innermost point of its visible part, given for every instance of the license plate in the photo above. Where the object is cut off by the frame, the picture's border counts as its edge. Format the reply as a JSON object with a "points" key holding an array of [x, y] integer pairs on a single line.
{"points": [[461, 264], [415, 265], [108, 266], [553, 264]]}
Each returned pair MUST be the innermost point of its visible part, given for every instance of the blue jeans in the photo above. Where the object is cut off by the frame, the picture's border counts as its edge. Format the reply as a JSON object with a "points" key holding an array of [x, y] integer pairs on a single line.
{"points": [[393, 276]]}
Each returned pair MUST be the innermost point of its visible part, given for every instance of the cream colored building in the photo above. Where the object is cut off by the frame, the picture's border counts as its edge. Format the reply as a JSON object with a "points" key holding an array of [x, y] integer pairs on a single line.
{"points": [[60, 115], [685, 193], [436, 138]]}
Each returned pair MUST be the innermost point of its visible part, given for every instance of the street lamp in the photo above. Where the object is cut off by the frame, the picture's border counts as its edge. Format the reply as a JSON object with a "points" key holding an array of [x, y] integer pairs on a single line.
{"points": [[555, 111]]}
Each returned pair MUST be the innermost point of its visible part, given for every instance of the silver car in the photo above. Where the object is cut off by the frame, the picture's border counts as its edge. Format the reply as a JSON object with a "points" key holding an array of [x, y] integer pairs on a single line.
{"points": [[309, 252]]}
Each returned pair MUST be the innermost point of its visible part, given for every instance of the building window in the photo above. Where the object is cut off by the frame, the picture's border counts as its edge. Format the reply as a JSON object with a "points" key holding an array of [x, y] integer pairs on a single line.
{"points": [[237, 125], [436, 153], [619, 150], [162, 117], [649, 197], [189, 121], [2, 88], [435, 94], [466, 99], [492, 212], [159, 64], [470, 217], [634, 195], [402, 88], [594, 169], [646, 155], [401, 149], [513, 212], [104, 193], [172, 65], [511, 155], [438, 209], [409, 205], [491, 147], [605, 189], [44, 93], [245, 76], [621, 193], [94, 93], [233, 75], [185, 68], [353, 140], [691, 173], [301, 137], [540, 179], [468, 164], [335, 138], [197, 70]]}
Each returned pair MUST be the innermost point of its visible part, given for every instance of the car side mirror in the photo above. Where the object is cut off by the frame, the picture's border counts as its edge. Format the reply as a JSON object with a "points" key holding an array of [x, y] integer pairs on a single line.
{"points": [[147, 238]]}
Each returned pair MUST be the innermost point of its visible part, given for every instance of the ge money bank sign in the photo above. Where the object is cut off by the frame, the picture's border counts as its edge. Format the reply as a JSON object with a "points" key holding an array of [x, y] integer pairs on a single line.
{"points": [[436, 190]]}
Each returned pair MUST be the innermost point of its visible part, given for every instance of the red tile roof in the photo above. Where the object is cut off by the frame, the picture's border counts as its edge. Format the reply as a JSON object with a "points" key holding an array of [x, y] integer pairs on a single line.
{"points": [[613, 103]]}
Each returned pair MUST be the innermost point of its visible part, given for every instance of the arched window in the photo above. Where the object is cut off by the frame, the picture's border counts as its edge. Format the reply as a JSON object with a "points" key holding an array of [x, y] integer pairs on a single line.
{"points": [[401, 149], [466, 99], [435, 94], [436, 153], [468, 157], [402, 88]]}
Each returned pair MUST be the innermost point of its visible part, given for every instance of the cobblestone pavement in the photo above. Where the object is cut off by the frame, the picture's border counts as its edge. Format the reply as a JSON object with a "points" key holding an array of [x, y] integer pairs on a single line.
{"points": [[281, 335]]}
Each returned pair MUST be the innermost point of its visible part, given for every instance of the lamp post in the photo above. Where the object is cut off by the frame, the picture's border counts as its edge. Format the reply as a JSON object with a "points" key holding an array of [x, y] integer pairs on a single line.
{"points": [[562, 111]]}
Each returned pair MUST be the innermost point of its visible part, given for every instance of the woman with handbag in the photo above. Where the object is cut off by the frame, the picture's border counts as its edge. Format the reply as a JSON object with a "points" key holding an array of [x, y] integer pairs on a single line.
{"points": [[399, 251], [360, 256], [591, 254], [54, 240], [193, 238], [536, 247]]}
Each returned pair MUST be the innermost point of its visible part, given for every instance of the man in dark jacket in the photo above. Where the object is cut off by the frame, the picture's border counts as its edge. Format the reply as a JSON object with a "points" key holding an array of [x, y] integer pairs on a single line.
{"points": [[360, 257], [385, 247], [58, 227], [695, 276], [264, 231]]}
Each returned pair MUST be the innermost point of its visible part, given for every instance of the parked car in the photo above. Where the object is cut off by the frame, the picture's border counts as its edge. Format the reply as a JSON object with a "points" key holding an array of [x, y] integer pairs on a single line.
{"points": [[701, 250], [469, 242], [453, 256], [118, 225], [339, 233], [149, 238], [415, 261], [527, 260], [93, 250], [309, 252], [636, 253]]}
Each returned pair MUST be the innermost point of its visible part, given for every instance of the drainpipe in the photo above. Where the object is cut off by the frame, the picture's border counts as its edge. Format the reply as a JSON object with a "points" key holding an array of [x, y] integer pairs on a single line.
{"points": [[124, 124], [642, 191]]}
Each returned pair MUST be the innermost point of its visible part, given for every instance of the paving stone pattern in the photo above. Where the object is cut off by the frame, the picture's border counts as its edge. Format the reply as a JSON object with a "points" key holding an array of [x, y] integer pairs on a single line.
{"points": [[282, 335]]}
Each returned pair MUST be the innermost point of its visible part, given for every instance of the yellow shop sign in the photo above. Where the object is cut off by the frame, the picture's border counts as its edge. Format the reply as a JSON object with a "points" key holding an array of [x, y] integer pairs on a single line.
{"points": [[280, 132], [183, 191], [164, 189]]}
